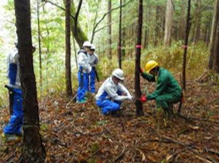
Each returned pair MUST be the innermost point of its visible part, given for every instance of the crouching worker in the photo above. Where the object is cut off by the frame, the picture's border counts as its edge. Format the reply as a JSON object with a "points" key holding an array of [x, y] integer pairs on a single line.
{"points": [[111, 93], [168, 90]]}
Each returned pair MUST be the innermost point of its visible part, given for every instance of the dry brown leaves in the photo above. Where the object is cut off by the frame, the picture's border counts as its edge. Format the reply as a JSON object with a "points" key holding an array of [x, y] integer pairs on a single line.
{"points": [[79, 133]]}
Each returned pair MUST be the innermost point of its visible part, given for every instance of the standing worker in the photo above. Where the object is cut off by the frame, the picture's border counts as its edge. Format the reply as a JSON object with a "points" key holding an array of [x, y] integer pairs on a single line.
{"points": [[13, 130], [84, 69], [93, 60], [111, 93], [168, 90]]}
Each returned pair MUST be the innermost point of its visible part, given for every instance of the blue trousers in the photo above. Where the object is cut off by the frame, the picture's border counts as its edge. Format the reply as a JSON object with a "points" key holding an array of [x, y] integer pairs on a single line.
{"points": [[16, 120], [91, 81], [83, 85], [107, 106]]}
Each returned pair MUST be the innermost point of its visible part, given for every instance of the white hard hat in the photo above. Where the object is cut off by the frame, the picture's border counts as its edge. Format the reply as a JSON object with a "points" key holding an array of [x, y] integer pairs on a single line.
{"points": [[118, 73], [86, 44], [92, 47]]}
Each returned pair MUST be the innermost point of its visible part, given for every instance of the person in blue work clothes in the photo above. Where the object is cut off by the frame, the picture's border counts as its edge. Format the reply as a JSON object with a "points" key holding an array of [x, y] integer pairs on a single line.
{"points": [[84, 69], [168, 90], [13, 130], [93, 60], [112, 93]]}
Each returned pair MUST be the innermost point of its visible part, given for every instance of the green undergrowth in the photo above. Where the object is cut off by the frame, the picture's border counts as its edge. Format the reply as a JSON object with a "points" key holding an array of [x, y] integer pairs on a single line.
{"points": [[170, 58]]}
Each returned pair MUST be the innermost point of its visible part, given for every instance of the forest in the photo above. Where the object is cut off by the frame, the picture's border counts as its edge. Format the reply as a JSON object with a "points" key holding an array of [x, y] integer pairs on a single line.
{"points": [[49, 39]]}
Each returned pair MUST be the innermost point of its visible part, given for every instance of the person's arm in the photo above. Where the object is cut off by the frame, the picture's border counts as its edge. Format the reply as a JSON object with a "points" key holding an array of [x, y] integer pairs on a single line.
{"points": [[160, 87], [124, 90], [96, 59], [82, 62], [112, 94], [148, 77]]}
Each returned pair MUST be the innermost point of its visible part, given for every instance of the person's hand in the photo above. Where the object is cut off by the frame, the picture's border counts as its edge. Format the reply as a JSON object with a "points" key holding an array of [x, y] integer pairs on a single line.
{"points": [[143, 98], [95, 61], [141, 70], [89, 69], [130, 98]]}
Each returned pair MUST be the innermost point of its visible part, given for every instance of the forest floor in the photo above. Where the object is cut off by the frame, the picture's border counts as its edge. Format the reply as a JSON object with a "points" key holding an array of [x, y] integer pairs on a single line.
{"points": [[79, 133]]}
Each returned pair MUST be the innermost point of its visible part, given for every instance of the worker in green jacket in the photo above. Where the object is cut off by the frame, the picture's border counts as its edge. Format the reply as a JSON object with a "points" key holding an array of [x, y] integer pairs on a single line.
{"points": [[168, 90]]}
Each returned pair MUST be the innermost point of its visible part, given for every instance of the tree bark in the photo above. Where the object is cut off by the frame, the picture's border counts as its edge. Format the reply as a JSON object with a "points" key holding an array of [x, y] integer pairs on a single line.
{"points": [[109, 30], [94, 21], [188, 25], [214, 43], [33, 150], [197, 21], [120, 37], [123, 36], [157, 25], [68, 49], [168, 23], [77, 32], [182, 21], [138, 103], [39, 43]]}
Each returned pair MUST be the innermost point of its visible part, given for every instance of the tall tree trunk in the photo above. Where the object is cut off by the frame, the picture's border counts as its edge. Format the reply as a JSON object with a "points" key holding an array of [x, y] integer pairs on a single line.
{"points": [[147, 28], [95, 21], [188, 25], [207, 31], [168, 23], [120, 37], [182, 21], [214, 44], [197, 22], [68, 49], [77, 32], [123, 36], [33, 150], [109, 29], [39, 43], [138, 103], [157, 25]]}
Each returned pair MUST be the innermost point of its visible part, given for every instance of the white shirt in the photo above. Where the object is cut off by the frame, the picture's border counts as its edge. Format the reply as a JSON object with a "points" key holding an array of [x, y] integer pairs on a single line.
{"points": [[83, 61], [93, 59], [108, 90], [13, 59]]}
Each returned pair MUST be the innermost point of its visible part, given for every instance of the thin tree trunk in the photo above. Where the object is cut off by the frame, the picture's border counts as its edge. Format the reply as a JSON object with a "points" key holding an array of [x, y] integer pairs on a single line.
{"points": [[197, 22], [77, 32], [75, 51], [68, 49], [39, 43], [94, 21], [109, 30], [214, 43], [182, 21], [138, 103], [168, 23], [188, 25], [123, 37], [33, 150], [120, 37], [157, 25]]}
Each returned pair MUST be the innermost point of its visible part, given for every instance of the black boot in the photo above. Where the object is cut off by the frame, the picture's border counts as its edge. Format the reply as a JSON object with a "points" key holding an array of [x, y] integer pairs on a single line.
{"points": [[115, 113]]}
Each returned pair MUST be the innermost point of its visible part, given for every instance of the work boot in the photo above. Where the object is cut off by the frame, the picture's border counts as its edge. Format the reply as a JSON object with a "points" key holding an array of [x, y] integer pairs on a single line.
{"points": [[115, 113], [10, 138], [81, 101]]}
